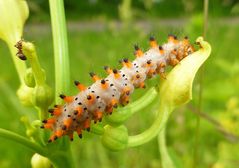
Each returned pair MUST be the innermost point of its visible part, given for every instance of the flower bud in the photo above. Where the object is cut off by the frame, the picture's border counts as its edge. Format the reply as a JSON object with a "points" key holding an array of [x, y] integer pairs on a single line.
{"points": [[28, 49], [177, 89], [13, 16], [115, 138], [42, 96], [29, 78], [39, 161], [24, 93]]}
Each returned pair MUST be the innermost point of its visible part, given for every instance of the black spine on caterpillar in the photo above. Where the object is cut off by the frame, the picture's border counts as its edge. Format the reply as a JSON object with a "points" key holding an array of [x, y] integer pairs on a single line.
{"points": [[99, 99]]}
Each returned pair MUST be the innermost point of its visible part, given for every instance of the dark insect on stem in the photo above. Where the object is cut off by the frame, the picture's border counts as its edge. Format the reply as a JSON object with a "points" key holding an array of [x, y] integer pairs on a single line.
{"points": [[20, 54]]}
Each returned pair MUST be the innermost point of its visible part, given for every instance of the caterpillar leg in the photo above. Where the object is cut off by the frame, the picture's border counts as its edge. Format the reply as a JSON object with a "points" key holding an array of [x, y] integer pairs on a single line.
{"points": [[98, 116], [173, 61], [113, 104], [161, 70], [87, 124], [124, 100], [79, 132]]}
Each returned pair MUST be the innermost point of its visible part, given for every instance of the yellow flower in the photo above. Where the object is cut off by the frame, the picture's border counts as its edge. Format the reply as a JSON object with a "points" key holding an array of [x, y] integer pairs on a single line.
{"points": [[177, 88], [13, 14]]}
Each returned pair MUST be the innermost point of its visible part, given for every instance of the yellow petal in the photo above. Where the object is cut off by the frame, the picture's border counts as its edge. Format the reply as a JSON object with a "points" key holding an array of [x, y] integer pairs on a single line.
{"points": [[177, 88], [13, 14]]}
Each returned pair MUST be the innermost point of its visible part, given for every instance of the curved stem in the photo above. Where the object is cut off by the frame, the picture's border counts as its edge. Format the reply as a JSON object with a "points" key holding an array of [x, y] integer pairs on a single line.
{"points": [[154, 130], [121, 115], [22, 140], [165, 157], [97, 129], [144, 101]]}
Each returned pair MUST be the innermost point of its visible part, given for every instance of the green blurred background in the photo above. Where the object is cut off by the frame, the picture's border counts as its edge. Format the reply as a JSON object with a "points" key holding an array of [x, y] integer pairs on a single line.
{"points": [[100, 32]]}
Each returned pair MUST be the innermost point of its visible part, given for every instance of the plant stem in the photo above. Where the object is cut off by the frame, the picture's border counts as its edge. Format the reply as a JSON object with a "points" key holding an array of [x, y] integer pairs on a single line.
{"points": [[61, 158], [19, 64], [22, 140], [205, 19], [30, 52], [123, 114], [62, 73], [165, 158], [197, 134], [228, 135], [154, 130]]}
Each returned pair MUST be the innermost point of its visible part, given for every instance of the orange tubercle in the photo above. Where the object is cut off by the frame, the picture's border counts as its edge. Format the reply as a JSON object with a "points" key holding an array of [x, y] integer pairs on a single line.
{"points": [[126, 63], [67, 122], [104, 84], [80, 86], [51, 120], [90, 99], [87, 124], [67, 99], [94, 77], [161, 51], [98, 116], [142, 85], [57, 110], [153, 43], [116, 74], [126, 90], [185, 41], [59, 133], [138, 52], [108, 70], [79, 111], [114, 102], [48, 126]]}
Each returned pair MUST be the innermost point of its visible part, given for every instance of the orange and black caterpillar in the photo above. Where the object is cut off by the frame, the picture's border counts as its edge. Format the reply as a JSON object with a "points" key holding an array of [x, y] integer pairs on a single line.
{"points": [[92, 102]]}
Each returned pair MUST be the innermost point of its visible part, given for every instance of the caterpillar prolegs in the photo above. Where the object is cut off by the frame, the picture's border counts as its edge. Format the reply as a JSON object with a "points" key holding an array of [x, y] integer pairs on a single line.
{"points": [[105, 94]]}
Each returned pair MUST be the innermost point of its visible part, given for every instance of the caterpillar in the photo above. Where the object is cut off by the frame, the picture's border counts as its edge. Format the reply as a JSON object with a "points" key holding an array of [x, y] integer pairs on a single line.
{"points": [[105, 94]]}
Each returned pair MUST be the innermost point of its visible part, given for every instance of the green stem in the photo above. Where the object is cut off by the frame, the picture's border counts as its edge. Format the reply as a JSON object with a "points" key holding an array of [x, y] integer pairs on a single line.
{"points": [[155, 128], [201, 74], [121, 115], [165, 157], [97, 129], [30, 52], [19, 64], [43, 113], [205, 19], [22, 140], [62, 73], [61, 159]]}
